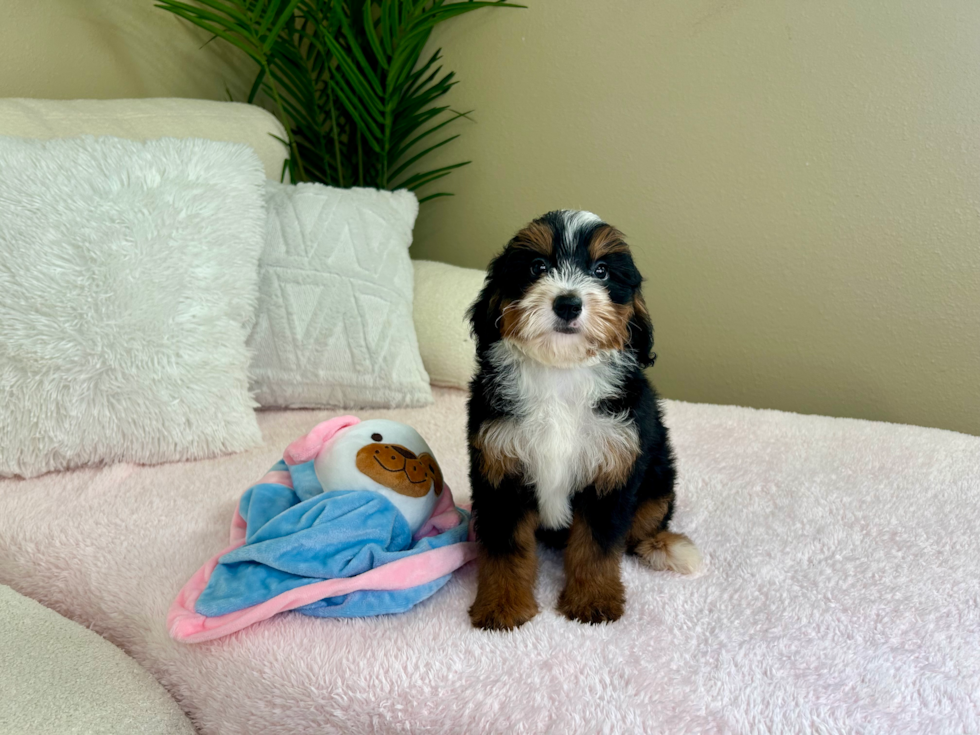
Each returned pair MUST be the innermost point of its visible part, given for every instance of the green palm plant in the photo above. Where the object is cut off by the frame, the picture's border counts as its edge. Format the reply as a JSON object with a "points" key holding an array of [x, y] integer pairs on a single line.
{"points": [[346, 79]]}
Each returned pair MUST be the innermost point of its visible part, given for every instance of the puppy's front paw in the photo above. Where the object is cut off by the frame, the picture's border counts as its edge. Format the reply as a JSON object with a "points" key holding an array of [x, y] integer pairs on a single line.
{"points": [[592, 606], [499, 615]]}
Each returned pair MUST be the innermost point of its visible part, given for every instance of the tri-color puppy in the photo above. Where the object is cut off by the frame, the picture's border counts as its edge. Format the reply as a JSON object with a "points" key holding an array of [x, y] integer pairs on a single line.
{"points": [[565, 433]]}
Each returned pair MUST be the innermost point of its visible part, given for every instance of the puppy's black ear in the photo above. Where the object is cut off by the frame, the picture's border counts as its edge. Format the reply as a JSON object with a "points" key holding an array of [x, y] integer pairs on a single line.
{"points": [[484, 314], [641, 333]]}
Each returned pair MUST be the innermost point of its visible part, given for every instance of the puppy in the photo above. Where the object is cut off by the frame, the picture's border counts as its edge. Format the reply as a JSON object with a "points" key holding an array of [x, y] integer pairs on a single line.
{"points": [[565, 433]]}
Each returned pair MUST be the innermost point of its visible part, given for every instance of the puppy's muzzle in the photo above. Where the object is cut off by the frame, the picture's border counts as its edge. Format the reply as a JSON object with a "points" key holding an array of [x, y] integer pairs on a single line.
{"points": [[568, 307]]}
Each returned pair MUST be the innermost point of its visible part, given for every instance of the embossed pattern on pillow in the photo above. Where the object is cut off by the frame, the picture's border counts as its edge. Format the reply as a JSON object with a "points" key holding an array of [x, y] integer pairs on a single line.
{"points": [[334, 324]]}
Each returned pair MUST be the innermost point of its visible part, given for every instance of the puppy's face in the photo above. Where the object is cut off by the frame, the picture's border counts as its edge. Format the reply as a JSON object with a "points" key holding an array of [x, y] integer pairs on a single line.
{"points": [[564, 289]]}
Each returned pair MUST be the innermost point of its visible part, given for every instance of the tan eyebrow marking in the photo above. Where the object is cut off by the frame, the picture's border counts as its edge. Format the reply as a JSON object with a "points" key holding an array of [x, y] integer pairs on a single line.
{"points": [[538, 237], [606, 240]]}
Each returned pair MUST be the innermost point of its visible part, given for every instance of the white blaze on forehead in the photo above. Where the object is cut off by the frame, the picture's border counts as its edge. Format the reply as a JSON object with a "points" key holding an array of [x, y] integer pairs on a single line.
{"points": [[575, 220], [578, 218], [568, 279]]}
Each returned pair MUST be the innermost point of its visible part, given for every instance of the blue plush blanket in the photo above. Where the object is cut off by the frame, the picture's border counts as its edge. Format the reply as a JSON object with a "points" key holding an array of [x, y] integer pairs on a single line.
{"points": [[334, 553], [295, 536]]}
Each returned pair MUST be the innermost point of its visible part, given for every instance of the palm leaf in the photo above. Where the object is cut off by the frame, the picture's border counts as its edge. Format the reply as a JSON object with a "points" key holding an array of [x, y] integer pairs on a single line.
{"points": [[347, 81], [399, 152], [421, 179]]}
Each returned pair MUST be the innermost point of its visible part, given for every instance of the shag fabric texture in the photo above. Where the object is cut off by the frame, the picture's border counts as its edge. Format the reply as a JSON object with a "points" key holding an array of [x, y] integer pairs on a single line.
{"points": [[839, 594], [334, 324], [128, 281], [57, 677]]}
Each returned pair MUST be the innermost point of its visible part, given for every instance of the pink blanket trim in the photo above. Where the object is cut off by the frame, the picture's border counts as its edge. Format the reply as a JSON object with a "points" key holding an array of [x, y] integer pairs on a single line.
{"points": [[307, 447], [188, 626]]}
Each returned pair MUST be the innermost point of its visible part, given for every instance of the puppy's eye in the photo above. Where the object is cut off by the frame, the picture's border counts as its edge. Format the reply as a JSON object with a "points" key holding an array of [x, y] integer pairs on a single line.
{"points": [[600, 271], [539, 267]]}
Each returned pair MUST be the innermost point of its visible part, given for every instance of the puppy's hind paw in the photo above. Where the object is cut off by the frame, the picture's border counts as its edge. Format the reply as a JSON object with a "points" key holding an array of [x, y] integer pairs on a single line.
{"points": [[669, 551]]}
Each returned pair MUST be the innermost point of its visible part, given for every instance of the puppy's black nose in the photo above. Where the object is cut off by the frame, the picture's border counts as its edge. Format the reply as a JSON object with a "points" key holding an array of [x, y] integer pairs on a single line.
{"points": [[567, 306]]}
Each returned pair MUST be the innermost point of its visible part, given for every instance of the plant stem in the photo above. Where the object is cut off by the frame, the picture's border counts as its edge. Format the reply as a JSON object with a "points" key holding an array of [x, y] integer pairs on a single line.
{"points": [[285, 118], [385, 151], [360, 158], [336, 137]]}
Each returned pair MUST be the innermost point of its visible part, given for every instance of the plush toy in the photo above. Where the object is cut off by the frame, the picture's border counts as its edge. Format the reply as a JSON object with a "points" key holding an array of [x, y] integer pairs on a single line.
{"points": [[354, 520], [380, 456]]}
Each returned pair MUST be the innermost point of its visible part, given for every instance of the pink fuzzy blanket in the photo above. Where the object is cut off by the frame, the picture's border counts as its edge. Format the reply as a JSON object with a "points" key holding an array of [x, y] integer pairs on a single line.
{"points": [[840, 594]]}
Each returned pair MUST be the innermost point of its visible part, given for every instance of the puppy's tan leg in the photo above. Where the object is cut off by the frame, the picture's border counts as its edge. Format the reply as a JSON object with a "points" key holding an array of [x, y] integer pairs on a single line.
{"points": [[594, 592], [657, 547], [505, 581]]}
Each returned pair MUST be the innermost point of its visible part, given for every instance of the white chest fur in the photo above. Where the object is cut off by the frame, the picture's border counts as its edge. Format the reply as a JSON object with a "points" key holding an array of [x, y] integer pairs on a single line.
{"points": [[556, 436]]}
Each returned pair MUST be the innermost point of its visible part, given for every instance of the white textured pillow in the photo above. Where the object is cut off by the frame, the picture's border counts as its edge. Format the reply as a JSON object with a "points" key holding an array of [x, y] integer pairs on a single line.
{"points": [[334, 324], [127, 279]]}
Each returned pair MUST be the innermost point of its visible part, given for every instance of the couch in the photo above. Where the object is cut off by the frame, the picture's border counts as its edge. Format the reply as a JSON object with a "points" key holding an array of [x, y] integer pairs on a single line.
{"points": [[839, 592], [59, 677]]}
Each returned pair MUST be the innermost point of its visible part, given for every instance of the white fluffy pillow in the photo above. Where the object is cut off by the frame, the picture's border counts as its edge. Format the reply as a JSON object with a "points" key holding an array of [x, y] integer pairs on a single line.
{"points": [[334, 324], [127, 278]]}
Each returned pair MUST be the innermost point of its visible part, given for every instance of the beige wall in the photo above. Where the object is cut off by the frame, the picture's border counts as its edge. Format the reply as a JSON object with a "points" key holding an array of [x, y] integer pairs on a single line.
{"points": [[800, 180], [110, 49]]}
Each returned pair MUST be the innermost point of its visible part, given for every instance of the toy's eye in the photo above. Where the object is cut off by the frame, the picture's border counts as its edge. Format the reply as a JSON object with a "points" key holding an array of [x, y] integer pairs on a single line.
{"points": [[601, 271], [539, 267], [376, 437]]}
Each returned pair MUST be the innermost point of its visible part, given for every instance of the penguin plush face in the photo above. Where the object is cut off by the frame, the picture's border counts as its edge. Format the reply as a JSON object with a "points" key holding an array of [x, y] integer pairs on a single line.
{"points": [[384, 457]]}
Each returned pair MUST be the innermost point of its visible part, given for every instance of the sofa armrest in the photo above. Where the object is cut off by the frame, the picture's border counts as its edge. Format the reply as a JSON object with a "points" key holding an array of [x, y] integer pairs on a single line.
{"points": [[443, 293], [59, 677]]}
